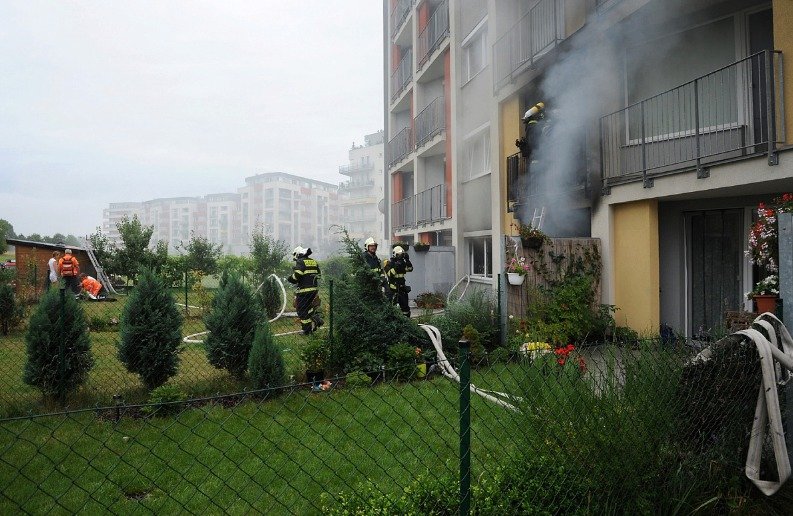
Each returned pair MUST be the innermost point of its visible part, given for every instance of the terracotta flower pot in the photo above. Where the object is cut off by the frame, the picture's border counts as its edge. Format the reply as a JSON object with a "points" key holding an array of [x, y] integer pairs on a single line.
{"points": [[765, 302]]}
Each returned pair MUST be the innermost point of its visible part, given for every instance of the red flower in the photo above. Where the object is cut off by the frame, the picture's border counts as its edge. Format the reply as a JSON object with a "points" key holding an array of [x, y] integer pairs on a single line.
{"points": [[561, 361]]}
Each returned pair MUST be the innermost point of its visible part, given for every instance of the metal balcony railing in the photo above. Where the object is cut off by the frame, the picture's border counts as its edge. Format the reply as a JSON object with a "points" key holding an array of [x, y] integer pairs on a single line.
{"points": [[400, 146], [431, 121], [530, 38], [727, 114], [356, 167], [523, 183], [403, 213], [347, 185], [434, 33], [403, 74], [399, 14], [431, 205]]}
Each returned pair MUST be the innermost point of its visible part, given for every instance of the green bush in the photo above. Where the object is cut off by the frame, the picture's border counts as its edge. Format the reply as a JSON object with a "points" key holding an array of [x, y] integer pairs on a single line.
{"points": [[56, 329], [151, 331], [165, 400], [266, 363], [232, 324], [401, 361], [477, 310], [11, 312], [98, 323], [270, 297], [315, 353], [335, 268], [357, 379]]}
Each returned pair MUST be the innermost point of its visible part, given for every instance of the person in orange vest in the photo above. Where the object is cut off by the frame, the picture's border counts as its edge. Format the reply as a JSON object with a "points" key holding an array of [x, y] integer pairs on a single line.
{"points": [[69, 270], [90, 286]]}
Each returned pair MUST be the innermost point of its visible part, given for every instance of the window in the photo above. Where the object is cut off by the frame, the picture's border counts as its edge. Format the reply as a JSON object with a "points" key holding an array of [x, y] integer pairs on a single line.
{"points": [[480, 257], [476, 152], [474, 55]]}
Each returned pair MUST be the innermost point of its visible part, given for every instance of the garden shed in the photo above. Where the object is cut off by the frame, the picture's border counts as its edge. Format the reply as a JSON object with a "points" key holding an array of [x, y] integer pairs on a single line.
{"points": [[32, 257]]}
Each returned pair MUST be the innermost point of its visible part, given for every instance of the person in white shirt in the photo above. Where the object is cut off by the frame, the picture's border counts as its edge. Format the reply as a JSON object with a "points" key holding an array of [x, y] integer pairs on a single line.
{"points": [[52, 274]]}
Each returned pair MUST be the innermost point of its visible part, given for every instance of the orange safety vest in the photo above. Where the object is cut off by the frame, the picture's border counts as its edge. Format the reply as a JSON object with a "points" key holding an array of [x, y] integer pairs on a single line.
{"points": [[69, 266], [91, 285]]}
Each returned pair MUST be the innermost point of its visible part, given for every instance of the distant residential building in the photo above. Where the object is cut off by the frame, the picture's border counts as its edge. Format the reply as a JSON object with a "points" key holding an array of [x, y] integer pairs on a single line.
{"points": [[362, 194], [115, 213]]}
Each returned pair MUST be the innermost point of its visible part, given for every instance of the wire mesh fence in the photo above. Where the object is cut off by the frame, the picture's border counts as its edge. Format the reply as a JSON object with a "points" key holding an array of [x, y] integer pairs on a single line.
{"points": [[635, 426]]}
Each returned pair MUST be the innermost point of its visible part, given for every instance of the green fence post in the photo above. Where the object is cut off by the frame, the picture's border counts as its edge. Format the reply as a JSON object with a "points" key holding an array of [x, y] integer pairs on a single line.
{"points": [[465, 429], [185, 292], [61, 351], [330, 310], [501, 330]]}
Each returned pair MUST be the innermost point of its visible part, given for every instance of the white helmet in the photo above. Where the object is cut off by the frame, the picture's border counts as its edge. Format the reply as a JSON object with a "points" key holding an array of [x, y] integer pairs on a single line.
{"points": [[298, 251], [398, 250], [370, 241]]}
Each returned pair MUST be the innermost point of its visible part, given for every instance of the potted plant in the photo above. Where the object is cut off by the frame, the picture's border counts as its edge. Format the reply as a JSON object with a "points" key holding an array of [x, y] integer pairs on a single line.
{"points": [[530, 236], [765, 294], [315, 356], [421, 247], [516, 269]]}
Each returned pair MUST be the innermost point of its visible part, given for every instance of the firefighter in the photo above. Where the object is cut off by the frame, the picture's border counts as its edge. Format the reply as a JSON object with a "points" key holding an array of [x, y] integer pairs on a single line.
{"points": [[91, 287], [305, 275], [373, 262], [69, 269], [533, 119], [395, 271]]}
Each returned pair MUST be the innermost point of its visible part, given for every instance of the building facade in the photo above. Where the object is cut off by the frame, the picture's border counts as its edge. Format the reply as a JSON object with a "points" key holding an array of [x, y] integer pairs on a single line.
{"points": [[664, 125], [361, 196]]}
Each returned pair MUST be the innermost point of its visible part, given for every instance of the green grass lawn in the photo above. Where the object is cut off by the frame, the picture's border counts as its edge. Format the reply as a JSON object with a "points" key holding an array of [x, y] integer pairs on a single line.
{"points": [[277, 456]]}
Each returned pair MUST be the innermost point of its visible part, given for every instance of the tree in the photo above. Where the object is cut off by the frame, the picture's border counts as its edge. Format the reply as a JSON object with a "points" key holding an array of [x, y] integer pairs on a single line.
{"points": [[57, 238], [72, 240], [268, 256], [266, 363], [134, 253], [151, 331], [104, 250], [201, 254], [8, 308], [57, 331], [6, 231], [231, 324]]}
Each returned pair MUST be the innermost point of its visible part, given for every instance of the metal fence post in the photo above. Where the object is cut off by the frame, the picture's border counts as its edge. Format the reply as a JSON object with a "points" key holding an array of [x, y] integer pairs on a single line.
{"points": [[61, 351], [502, 334], [465, 429], [330, 310], [185, 292]]}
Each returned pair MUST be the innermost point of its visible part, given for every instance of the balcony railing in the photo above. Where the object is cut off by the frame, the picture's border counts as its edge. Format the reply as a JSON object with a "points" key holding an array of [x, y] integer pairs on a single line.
{"points": [[399, 14], [434, 33], [530, 38], [431, 121], [523, 183], [423, 208], [356, 167], [727, 114], [431, 205], [403, 213], [400, 146], [348, 185], [401, 77]]}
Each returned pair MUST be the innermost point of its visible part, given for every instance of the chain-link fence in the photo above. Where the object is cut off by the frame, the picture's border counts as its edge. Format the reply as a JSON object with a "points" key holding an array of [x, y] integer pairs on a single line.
{"points": [[633, 426]]}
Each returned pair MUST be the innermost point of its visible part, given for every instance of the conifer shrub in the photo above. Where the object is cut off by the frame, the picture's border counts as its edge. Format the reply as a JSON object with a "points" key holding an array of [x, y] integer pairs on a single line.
{"points": [[266, 363], [165, 400], [57, 328], [151, 331], [10, 311], [231, 324]]}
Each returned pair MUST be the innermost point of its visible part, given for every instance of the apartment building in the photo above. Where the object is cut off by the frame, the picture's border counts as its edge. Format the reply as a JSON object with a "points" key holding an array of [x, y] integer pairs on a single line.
{"points": [[115, 213], [665, 124], [361, 196], [297, 210]]}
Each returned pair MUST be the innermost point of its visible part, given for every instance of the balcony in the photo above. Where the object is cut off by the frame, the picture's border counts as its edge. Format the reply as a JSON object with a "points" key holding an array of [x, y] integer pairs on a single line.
{"points": [[350, 185], [431, 121], [425, 207], [434, 33], [728, 114], [399, 14], [355, 168], [402, 76], [528, 40], [524, 185], [400, 146]]}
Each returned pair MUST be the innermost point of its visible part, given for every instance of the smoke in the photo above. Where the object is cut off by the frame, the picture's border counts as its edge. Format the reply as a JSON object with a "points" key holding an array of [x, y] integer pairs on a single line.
{"points": [[574, 89]]}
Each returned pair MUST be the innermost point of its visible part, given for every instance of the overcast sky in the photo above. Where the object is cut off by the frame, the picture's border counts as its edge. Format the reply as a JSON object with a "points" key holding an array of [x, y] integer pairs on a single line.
{"points": [[110, 101]]}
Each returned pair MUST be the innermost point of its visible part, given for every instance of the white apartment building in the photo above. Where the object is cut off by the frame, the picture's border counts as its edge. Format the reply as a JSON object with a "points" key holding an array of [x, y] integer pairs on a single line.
{"points": [[115, 213], [361, 196], [294, 209]]}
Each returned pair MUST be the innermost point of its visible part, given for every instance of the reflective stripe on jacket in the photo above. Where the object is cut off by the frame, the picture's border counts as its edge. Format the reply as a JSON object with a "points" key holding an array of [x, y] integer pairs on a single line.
{"points": [[305, 275]]}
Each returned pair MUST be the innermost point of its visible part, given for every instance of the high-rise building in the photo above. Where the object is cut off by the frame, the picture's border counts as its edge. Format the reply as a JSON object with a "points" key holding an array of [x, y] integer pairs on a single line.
{"points": [[361, 196]]}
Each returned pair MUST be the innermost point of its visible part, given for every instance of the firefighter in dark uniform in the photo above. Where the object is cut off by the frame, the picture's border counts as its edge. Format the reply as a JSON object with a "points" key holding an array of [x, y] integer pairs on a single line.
{"points": [[305, 275], [534, 120], [395, 271], [373, 262]]}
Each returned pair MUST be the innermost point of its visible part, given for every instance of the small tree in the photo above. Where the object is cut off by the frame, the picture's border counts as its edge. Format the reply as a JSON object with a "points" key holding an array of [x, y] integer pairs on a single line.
{"points": [[134, 254], [266, 363], [268, 256], [104, 250], [8, 308], [6, 231], [231, 325], [201, 254], [58, 347], [151, 331]]}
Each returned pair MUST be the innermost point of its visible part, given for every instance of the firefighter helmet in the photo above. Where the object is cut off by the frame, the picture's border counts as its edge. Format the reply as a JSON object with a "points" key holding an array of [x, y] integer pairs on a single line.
{"points": [[298, 252], [398, 250], [370, 241]]}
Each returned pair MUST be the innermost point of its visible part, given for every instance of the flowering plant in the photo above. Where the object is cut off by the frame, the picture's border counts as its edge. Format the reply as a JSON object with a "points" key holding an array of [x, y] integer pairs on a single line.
{"points": [[764, 236], [768, 286], [518, 266], [527, 231]]}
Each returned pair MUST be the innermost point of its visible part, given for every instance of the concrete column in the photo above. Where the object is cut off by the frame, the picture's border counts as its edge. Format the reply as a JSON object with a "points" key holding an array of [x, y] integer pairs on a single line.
{"points": [[786, 267]]}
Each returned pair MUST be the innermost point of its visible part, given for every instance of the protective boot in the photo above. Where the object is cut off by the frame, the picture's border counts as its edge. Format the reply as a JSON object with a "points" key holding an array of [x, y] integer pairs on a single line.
{"points": [[318, 322], [307, 327]]}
